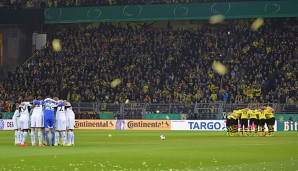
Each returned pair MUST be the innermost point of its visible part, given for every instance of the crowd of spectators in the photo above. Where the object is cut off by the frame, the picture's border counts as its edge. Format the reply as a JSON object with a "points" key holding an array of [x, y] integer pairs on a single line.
{"points": [[86, 115], [16, 4], [75, 3], [164, 64]]}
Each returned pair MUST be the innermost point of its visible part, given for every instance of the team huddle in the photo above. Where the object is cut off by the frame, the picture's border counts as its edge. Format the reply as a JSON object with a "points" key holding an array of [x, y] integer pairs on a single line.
{"points": [[50, 118], [258, 119]]}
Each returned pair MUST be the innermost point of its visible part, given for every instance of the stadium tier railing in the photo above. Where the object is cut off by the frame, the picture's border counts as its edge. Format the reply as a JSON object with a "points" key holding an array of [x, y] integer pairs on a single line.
{"points": [[196, 111], [79, 3]]}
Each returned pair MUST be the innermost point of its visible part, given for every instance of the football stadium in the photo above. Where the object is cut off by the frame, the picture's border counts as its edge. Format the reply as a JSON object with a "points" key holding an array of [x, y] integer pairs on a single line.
{"points": [[153, 85]]}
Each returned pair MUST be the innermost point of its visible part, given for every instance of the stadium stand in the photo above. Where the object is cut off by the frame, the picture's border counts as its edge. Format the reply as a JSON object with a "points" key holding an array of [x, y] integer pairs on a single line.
{"points": [[164, 66], [164, 63]]}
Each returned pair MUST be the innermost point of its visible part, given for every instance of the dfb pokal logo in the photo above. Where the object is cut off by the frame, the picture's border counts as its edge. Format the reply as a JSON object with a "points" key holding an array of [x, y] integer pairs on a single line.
{"points": [[1, 124]]}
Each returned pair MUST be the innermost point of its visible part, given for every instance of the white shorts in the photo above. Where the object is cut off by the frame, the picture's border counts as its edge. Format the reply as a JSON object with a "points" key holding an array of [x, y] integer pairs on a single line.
{"points": [[16, 123], [70, 124], [37, 121], [24, 123], [60, 125]]}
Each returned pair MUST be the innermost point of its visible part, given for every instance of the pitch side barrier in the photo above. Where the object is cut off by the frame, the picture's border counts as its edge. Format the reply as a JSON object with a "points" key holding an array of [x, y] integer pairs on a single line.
{"points": [[194, 125], [123, 124], [287, 122], [6, 124], [204, 125]]}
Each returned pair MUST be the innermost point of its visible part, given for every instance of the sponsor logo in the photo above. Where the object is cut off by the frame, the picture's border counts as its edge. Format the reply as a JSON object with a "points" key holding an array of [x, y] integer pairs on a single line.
{"points": [[1, 124], [281, 119], [95, 124], [148, 124], [290, 126], [206, 125], [144, 124]]}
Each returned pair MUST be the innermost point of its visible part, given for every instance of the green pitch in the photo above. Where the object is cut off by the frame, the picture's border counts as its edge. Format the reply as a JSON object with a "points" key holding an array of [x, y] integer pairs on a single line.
{"points": [[143, 150]]}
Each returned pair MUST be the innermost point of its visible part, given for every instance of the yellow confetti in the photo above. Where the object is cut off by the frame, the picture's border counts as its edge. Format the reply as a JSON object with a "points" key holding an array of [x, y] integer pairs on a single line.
{"points": [[257, 24], [216, 19], [219, 68], [56, 44], [115, 83]]}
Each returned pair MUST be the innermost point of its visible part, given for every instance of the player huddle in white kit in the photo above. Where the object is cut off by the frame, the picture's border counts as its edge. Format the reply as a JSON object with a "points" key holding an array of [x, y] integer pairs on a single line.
{"points": [[39, 116]]}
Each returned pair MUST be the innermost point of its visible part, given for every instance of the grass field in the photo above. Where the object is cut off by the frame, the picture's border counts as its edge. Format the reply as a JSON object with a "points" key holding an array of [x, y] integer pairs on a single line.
{"points": [[143, 150]]}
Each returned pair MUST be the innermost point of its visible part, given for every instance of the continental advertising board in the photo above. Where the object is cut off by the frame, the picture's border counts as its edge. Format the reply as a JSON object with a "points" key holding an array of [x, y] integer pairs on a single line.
{"points": [[146, 125], [123, 124], [95, 124]]}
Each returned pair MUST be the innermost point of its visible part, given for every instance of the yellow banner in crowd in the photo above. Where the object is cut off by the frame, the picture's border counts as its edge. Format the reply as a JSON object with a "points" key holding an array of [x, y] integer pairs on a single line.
{"points": [[123, 124]]}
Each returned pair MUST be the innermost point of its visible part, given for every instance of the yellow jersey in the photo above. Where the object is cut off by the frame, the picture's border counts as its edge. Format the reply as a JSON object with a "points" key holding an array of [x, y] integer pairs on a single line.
{"points": [[261, 115], [253, 114], [268, 112], [244, 114], [271, 115], [268, 109], [232, 116], [237, 113]]}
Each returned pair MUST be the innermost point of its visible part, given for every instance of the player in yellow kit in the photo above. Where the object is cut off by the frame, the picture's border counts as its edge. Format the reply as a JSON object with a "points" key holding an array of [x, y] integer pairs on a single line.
{"points": [[270, 119], [258, 119], [232, 124], [237, 115], [244, 121], [229, 125], [262, 120], [253, 121]]}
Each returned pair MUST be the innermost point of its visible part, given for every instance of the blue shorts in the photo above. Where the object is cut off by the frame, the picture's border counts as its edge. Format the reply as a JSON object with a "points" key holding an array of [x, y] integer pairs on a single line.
{"points": [[49, 122]]}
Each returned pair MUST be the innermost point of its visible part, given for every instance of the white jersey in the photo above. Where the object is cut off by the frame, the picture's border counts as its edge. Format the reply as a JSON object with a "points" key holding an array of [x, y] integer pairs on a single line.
{"points": [[70, 114], [61, 113], [16, 114], [70, 117], [37, 120], [15, 119], [37, 110], [60, 118], [24, 121], [24, 110]]}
